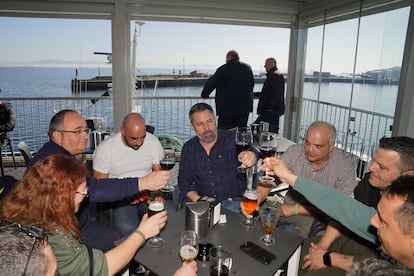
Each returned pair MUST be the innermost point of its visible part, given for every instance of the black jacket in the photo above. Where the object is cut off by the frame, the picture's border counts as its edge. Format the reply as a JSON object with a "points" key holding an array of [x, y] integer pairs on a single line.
{"points": [[234, 84], [272, 97], [7, 120]]}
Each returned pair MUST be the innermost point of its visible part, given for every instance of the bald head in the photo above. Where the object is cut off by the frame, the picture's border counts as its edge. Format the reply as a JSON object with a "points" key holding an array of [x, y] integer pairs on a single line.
{"points": [[133, 130], [133, 119], [325, 129], [319, 142]]}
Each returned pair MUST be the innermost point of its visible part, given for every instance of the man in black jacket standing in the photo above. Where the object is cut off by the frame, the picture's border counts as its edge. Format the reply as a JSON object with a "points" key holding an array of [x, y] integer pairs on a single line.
{"points": [[234, 84], [272, 99]]}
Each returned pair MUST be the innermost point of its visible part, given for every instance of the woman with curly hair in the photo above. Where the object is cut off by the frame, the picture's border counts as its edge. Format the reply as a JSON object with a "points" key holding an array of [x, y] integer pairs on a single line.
{"points": [[50, 195]]}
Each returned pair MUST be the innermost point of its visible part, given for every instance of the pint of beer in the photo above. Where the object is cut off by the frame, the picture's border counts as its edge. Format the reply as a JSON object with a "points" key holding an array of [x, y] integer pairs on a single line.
{"points": [[250, 201], [155, 207]]}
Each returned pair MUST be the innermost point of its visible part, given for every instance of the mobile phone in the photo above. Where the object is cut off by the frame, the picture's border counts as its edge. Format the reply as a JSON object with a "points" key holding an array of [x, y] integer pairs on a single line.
{"points": [[257, 252]]}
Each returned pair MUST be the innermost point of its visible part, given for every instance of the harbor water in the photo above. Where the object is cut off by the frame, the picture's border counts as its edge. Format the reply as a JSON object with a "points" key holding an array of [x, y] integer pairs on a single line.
{"points": [[26, 82]]}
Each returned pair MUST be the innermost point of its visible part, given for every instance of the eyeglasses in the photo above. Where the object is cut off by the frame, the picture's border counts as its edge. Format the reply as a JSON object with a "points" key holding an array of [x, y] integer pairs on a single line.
{"points": [[77, 132], [35, 232], [84, 193]]}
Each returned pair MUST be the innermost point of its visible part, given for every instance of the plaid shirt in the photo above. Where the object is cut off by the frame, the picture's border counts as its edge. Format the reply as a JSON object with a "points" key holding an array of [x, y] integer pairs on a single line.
{"points": [[213, 175]]}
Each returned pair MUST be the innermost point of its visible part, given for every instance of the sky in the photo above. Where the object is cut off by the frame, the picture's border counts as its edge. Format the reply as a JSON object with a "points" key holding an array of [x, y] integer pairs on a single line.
{"points": [[202, 47]]}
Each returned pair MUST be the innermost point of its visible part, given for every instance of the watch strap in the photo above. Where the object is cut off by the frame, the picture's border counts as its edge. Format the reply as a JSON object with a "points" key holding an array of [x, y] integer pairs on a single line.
{"points": [[327, 258]]}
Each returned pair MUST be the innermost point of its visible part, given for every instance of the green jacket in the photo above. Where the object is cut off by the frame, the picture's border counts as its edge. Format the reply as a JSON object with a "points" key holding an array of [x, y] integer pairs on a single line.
{"points": [[73, 258], [351, 213]]}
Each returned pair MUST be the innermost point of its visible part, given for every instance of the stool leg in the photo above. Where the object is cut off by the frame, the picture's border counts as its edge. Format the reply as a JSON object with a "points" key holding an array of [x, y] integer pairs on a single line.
{"points": [[1, 161], [11, 150]]}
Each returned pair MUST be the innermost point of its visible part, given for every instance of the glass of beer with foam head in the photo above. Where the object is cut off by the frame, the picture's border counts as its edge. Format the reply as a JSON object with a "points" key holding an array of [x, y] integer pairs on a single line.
{"points": [[249, 204], [188, 246], [156, 205]]}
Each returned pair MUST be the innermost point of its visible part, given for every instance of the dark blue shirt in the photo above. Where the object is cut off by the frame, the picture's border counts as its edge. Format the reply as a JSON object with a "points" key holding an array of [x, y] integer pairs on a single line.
{"points": [[100, 190], [213, 175]]}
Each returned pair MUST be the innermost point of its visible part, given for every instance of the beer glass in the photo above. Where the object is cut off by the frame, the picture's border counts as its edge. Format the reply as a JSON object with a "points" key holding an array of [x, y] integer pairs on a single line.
{"points": [[188, 246], [249, 204], [269, 217], [167, 163], [156, 205], [267, 146], [220, 261]]}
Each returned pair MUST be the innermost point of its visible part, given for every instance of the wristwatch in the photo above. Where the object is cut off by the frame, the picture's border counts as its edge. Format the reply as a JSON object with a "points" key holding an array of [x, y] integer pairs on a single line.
{"points": [[327, 258], [202, 198]]}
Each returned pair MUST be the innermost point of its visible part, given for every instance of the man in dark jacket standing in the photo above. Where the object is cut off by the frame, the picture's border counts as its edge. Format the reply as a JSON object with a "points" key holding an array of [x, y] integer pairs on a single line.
{"points": [[234, 84], [272, 99]]}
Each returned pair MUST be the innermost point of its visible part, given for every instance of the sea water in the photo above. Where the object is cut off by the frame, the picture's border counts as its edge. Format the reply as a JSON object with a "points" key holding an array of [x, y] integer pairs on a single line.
{"points": [[25, 82]]}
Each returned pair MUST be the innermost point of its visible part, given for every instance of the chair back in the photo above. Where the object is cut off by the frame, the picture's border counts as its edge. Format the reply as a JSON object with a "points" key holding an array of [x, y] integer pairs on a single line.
{"points": [[150, 129], [25, 151]]}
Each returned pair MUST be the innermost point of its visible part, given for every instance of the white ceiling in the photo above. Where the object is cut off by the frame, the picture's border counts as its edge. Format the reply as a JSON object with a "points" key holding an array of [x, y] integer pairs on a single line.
{"points": [[277, 13]]}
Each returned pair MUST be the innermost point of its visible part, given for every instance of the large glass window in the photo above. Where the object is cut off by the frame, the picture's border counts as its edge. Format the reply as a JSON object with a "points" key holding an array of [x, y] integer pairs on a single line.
{"points": [[356, 87]]}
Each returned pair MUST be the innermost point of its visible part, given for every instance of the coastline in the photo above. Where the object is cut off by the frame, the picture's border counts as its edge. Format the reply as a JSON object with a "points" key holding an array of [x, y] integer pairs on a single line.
{"points": [[150, 81]]}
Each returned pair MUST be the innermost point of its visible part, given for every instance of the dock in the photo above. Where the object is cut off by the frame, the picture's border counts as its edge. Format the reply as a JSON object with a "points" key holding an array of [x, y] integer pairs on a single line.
{"points": [[105, 82]]}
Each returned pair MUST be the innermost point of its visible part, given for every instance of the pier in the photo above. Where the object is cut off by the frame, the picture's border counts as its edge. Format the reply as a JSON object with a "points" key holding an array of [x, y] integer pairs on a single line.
{"points": [[105, 82]]}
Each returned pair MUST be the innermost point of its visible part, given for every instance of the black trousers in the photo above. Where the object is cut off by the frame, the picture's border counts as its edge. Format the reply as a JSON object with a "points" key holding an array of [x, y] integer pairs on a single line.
{"points": [[232, 121], [272, 117]]}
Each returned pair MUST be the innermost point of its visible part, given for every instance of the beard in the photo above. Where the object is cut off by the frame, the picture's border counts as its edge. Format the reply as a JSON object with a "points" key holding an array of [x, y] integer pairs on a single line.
{"points": [[207, 136], [134, 147]]}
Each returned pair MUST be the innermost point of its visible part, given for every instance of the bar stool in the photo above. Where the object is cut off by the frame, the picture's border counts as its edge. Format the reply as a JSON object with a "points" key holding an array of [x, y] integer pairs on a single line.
{"points": [[5, 141]]}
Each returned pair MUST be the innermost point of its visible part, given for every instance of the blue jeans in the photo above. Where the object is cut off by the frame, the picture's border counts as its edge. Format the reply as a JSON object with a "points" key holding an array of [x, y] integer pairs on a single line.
{"points": [[127, 218], [233, 204]]}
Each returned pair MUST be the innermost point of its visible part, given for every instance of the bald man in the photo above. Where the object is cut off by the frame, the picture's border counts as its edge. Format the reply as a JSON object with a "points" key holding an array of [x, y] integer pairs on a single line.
{"points": [[132, 152], [316, 159]]}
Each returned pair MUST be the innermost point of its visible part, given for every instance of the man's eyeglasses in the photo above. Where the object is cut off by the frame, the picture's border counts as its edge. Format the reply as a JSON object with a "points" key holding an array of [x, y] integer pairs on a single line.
{"points": [[77, 132], [36, 233], [84, 193]]}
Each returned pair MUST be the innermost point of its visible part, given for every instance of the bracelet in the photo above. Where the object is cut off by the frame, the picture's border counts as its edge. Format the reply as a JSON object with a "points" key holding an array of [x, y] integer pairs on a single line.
{"points": [[141, 234], [296, 208]]}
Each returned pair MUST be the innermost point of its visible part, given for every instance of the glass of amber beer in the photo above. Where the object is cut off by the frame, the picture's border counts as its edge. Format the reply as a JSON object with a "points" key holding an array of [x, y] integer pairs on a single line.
{"points": [[156, 205], [269, 217], [249, 204]]}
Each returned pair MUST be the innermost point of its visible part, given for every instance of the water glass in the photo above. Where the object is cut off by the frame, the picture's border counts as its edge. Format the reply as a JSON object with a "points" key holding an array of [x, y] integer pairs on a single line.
{"points": [[220, 261]]}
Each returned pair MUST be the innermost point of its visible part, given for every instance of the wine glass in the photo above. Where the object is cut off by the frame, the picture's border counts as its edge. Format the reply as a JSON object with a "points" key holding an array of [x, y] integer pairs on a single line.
{"points": [[167, 163], [156, 205], [267, 146], [249, 204], [188, 246], [269, 217], [244, 140]]}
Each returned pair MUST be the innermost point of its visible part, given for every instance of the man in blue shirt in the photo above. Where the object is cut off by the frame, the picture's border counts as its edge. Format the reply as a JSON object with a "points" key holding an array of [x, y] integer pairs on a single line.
{"points": [[68, 133], [208, 165]]}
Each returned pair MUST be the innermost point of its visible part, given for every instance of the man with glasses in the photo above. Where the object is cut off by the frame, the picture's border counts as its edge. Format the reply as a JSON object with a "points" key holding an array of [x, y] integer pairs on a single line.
{"points": [[25, 251], [132, 152], [68, 133]]}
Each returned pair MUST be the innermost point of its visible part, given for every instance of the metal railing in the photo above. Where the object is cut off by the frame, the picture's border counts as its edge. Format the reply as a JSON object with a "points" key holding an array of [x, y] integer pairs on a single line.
{"points": [[169, 115], [358, 130]]}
